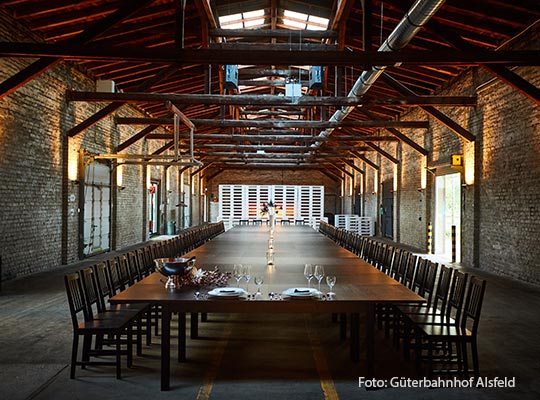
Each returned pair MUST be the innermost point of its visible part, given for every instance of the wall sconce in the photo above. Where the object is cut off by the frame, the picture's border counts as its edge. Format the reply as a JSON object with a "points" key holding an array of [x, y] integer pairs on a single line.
{"points": [[395, 182], [423, 172], [120, 177], [469, 163], [148, 177], [375, 182], [73, 168]]}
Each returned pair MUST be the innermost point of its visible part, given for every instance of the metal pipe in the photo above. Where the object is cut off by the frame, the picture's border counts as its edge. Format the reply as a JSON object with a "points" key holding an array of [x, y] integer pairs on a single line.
{"points": [[418, 15]]}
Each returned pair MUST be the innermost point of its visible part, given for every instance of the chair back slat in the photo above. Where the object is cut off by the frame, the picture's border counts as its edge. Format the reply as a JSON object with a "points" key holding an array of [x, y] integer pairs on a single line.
{"points": [[473, 303], [456, 297], [91, 294], [420, 275], [443, 287], [430, 274], [103, 280], [410, 271], [75, 297], [402, 266]]}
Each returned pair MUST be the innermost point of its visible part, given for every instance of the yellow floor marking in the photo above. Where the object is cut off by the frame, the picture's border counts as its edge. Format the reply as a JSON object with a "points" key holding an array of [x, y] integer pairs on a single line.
{"points": [[327, 383], [208, 381]]}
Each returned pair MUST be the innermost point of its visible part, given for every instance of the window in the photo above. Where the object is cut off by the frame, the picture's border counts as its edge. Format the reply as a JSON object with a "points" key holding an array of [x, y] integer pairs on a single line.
{"points": [[250, 19], [296, 20]]}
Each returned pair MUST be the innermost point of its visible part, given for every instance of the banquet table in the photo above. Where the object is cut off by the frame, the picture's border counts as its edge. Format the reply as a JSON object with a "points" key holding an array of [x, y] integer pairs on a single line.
{"points": [[359, 286]]}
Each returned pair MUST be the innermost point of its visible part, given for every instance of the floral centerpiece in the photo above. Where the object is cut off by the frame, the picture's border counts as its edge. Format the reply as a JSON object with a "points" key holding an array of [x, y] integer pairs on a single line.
{"points": [[200, 277]]}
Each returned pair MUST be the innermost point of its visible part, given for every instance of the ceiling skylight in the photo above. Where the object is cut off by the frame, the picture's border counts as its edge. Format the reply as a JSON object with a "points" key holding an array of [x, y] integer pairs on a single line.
{"points": [[250, 19], [298, 20]]}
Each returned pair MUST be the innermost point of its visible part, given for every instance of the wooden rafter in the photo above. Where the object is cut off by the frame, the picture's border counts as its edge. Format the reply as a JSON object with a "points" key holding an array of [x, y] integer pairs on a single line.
{"points": [[38, 67], [438, 115], [266, 100], [264, 56]]}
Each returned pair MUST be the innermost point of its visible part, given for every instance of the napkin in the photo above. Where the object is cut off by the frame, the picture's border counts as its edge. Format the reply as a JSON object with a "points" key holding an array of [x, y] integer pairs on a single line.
{"points": [[227, 291], [301, 291]]}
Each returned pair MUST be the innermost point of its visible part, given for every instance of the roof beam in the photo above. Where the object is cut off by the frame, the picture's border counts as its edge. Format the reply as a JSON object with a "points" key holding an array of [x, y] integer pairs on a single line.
{"points": [[275, 123], [442, 118], [360, 59], [272, 138], [109, 109], [94, 31], [351, 164], [504, 74], [405, 139], [365, 159], [383, 153], [268, 100], [290, 34], [135, 138]]}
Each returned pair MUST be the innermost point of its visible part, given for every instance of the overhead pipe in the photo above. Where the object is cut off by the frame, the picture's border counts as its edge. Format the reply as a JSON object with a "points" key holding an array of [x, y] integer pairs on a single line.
{"points": [[418, 15]]}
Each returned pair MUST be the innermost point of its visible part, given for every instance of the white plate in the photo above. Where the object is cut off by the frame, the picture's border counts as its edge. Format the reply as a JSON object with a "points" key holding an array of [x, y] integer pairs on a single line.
{"points": [[227, 292], [301, 292]]}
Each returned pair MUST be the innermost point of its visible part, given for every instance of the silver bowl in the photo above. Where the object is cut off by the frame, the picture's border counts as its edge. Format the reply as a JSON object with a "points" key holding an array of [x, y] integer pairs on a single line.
{"points": [[178, 266]]}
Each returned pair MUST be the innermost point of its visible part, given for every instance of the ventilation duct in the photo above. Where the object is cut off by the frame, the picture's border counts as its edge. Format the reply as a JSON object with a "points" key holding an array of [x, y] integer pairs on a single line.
{"points": [[408, 27]]}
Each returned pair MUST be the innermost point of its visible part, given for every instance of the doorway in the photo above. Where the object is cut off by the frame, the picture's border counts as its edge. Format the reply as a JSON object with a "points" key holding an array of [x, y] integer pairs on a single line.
{"points": [[447, 215], [387, 209], [153, 214], [97, 209]]}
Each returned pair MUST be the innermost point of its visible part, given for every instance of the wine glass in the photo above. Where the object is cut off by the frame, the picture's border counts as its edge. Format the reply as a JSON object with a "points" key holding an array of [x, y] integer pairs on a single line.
{"points": [[247, 275], [319, 274], [238, 273], [259, 280], [331, 281], [308, 273]]}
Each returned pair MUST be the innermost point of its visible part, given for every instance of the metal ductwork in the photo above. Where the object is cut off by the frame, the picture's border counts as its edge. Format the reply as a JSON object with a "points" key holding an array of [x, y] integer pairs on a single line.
{"points": [[408, 27]]}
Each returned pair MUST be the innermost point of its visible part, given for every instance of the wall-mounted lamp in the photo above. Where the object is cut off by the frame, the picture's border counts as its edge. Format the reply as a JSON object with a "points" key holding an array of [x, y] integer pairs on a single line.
{"points": [[73, 167], [120, 177]]}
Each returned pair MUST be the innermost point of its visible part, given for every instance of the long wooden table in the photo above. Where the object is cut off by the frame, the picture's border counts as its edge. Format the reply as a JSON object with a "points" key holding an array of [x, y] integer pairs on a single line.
{"points": [[359, 285]]}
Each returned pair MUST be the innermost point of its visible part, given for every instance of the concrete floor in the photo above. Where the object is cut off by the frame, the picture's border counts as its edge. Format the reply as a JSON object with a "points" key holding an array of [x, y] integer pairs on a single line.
{"points": [[262, 357]]}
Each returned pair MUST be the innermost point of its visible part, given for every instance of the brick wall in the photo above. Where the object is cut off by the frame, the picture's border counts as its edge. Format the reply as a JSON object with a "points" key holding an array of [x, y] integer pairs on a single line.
{"points": [[39, 206]]}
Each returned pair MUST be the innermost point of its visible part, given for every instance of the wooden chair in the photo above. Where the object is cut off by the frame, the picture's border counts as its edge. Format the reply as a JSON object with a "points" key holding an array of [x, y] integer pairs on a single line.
{"points": [[454, 339], [90, 326]]}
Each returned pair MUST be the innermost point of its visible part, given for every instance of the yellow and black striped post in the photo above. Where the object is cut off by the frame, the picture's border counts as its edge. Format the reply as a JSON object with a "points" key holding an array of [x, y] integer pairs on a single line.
{"points": [[430, 238], [453, 243]]}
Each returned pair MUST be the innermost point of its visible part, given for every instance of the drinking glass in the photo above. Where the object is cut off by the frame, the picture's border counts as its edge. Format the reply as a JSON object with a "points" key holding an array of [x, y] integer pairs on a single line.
{"points": [[308, 273], [259, 280], [238, 273], [270, 257], [331, 281], [319, 274], [247, 275]]}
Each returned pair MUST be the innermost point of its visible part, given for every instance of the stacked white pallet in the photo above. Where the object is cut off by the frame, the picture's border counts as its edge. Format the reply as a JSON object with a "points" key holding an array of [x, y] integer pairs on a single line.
{"points": [[364, 226]]}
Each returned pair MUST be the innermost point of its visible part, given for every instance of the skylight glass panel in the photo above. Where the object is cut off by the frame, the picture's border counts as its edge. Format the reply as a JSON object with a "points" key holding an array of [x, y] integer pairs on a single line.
{"points": [[295, 15], [254, 14], [248, 19], [298, 20], [318, 20], [254, 22], [294, 24], [230, 18]]}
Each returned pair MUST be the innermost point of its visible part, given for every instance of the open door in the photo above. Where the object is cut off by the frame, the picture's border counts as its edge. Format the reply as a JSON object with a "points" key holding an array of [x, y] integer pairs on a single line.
{"points": [[448, 215]]}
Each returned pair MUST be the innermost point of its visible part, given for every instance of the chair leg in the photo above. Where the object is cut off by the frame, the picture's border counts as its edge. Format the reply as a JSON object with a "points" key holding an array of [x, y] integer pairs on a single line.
{"points": [[118, 356], [343, 326], [87, 346], [476, 363], [148, 316], [130, 346], [139, 336], [74, 351], [430, 358], [465, 358]]}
